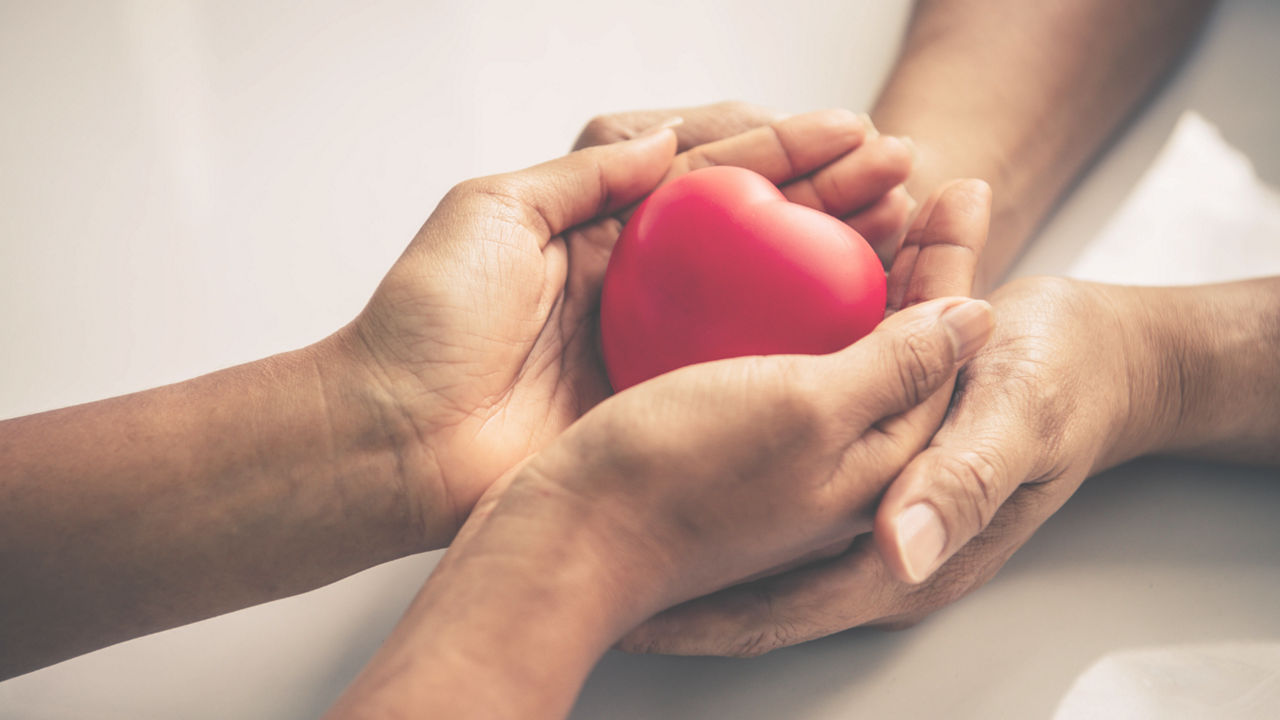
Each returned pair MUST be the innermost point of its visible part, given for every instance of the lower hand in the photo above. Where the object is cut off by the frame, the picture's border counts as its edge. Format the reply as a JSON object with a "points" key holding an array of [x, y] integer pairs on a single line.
{"points": [[679, 486], [673, 488], [1051, 399]]}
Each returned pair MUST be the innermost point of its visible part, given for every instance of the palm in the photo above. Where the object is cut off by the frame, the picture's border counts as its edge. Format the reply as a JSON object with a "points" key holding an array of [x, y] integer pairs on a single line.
{"points": [[494, 338], [504, 351]]}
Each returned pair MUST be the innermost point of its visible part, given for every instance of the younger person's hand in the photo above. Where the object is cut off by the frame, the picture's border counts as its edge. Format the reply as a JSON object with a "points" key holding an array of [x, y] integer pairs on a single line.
{"points": [[671, 489], [481, 343]]}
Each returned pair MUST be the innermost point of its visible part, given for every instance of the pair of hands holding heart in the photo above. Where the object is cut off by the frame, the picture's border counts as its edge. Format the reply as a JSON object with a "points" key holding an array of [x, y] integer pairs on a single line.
{"points": [[483, 338]]}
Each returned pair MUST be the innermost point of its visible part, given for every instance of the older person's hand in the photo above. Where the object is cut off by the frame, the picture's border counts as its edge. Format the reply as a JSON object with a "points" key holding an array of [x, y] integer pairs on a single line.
{"points": [[877, 205], [673, 488], [1076, 378]]}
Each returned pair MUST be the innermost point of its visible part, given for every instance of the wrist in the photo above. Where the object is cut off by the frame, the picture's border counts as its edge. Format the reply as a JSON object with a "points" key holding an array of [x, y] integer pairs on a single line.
{"points": [[1217, 375], [1146, 398], [375, 438], [513, 619]]}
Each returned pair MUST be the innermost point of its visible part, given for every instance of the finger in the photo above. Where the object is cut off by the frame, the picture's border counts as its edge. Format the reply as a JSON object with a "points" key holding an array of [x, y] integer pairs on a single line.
{"points": [[884, 224], [797, 606], [982, 557], [939, 256], [782, 150], [852, 590], [859, 178], [554, 196], [908, 357], [703, 124], [950, 492]]}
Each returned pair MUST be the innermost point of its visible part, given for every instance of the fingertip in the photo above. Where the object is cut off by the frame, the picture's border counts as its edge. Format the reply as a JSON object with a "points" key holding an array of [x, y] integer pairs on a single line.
{"points": [[908, 531], [971, 191], [969, 325], [899, 155]]}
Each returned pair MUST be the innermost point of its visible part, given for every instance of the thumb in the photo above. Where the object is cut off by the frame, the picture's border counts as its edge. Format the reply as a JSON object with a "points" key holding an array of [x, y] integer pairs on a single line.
{"points": [[556, 195], [947, 495], [911, 355]]}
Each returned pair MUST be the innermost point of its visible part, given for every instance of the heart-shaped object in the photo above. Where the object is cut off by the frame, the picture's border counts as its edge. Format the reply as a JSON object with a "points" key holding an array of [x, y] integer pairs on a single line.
{"points": [[718, 264]]}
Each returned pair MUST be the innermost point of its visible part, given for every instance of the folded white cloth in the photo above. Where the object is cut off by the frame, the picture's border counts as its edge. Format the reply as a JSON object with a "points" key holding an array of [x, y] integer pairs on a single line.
{"points": [[1200, 214], [1227, 681]]}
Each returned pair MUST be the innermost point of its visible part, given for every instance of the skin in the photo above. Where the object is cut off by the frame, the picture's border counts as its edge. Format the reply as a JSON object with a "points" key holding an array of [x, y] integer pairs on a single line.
{"points": [[746, 465], [130, 515], [882, 217], [1034, 414], [981, 88], [1024, 95]]}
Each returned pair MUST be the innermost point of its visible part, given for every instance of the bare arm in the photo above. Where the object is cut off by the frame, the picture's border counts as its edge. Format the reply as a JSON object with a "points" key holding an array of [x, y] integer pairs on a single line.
{"points": [[138, 513], [1023, 94], [126, 516]]}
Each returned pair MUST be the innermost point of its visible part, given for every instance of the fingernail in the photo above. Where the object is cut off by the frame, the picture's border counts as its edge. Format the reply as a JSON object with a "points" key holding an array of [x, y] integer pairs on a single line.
{"points": [[922, 538], [969, 324], [664, 125], [911, 146], [871, 126]]}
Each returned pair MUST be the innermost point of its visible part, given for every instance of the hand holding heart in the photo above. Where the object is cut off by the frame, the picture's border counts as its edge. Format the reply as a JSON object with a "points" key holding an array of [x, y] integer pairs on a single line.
{"points": [[877, 206], [677, 487], [482, 339], [681, 485]]}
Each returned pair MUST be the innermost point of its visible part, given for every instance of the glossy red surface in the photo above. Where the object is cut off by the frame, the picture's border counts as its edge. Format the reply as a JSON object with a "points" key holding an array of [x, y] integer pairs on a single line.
{"points": [[718, 264]]}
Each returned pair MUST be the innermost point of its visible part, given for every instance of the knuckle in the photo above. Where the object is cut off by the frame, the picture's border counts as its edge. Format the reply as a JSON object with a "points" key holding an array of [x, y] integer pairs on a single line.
{"points": [[976, 473], [919, 357], [602, 130]]}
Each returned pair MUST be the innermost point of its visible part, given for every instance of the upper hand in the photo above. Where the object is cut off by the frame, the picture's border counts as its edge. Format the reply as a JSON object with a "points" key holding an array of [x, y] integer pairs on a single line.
{"points": [[670, 489], [481, 340], [1044, 404], [712, 473]]}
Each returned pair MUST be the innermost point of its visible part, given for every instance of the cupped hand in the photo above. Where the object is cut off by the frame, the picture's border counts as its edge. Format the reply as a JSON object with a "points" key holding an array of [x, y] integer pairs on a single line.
{"points": [[673, 488], [715, 472], [1044, 404], [877, 205], [481, 340]]}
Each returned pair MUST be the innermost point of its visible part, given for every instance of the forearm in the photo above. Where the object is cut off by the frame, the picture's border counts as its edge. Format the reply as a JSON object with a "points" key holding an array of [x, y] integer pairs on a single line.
{"points": [[1221, 369], [510, 623], [130, 515], [1023, 94]]}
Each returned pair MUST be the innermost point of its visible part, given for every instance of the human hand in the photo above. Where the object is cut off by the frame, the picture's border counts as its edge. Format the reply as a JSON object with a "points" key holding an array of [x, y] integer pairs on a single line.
{"points": [[878, 206], [1055, 395], [673, 488], [680, 485], [481, 341]]}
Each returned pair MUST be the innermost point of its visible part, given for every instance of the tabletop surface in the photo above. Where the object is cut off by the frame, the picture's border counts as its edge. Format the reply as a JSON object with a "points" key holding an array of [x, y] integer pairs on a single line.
{"points": [[189, 185]]}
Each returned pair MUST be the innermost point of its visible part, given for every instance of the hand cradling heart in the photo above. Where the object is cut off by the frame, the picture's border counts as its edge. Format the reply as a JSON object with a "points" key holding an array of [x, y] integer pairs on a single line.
{"points": [[718, 264]]}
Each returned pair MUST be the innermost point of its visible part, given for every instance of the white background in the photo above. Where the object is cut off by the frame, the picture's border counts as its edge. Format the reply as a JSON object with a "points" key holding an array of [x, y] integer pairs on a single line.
{"points": [[190, 185]]}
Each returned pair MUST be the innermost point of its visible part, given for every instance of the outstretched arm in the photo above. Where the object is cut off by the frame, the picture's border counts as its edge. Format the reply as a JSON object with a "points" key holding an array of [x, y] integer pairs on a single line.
{"points": [[1023, 94], [135, 514], [129, 515]]}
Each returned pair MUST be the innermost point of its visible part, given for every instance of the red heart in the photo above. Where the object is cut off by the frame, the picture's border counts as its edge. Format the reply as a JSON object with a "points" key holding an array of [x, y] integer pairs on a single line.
{"points": [[718, 264]]}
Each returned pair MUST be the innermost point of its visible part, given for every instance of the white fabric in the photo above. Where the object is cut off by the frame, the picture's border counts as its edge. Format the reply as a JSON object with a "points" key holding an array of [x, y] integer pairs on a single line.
{"points": [[1200, 214]]}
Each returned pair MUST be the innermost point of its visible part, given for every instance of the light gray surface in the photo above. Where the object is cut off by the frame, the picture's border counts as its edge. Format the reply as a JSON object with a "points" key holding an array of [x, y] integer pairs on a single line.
{"points": [[185, 186]]}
